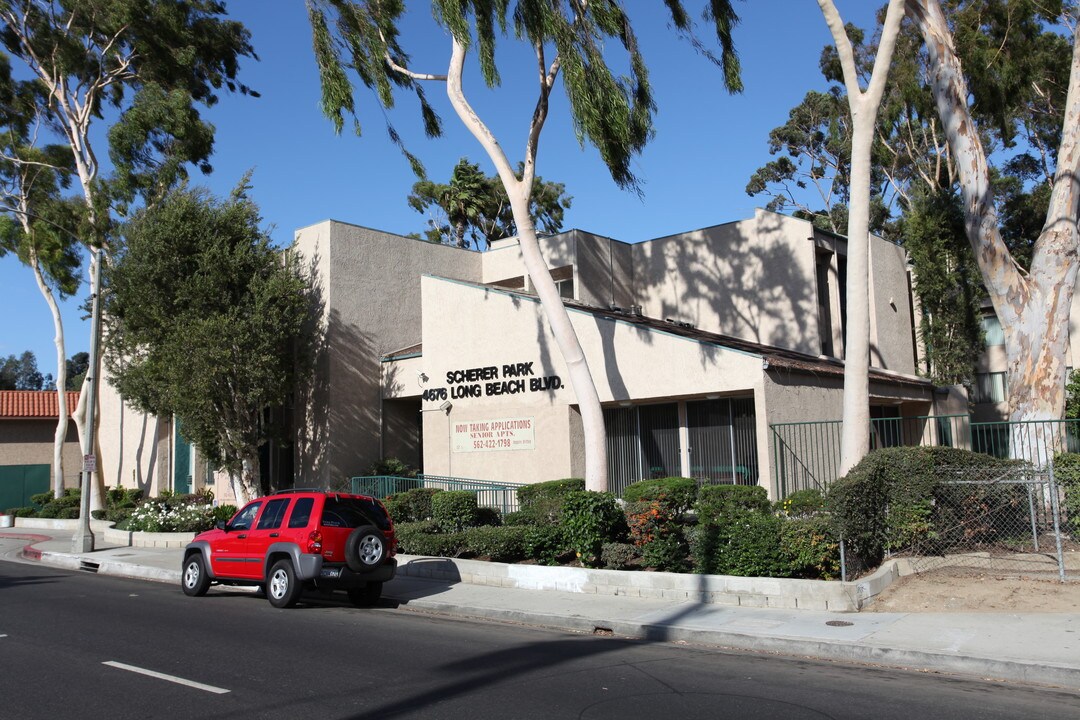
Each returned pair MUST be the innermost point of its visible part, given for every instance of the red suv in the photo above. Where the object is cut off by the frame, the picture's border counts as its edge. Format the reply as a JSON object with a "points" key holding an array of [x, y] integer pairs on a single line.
{"points": [[297, 539]]}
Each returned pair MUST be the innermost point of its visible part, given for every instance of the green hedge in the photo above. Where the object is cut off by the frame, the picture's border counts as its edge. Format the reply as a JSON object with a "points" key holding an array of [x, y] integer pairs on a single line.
{"points": [[542, 502], [497, 543], [678, 494], [717, 500], [894, 499], [411, 505], [547, 544], [740, 542], [423, 538], [455, 510], [590, 519], [1067, 473]]}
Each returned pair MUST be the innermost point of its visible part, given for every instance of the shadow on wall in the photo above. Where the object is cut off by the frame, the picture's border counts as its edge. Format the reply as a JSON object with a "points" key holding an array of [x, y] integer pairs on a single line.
{"points": [[312, 392], [740, 279]]}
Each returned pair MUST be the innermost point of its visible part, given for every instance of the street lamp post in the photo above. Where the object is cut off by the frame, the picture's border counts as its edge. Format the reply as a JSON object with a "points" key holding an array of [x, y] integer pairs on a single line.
{"points": [[83, 539]]}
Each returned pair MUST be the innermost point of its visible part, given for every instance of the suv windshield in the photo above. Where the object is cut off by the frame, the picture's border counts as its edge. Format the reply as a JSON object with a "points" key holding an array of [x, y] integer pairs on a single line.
{"points": [[353, 512]]}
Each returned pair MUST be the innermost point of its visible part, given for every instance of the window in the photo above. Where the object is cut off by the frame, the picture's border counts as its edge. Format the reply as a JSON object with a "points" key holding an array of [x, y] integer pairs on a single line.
{"points": [[352, 513], [301, 512], [992, 330], [246, 517], [564, 281], [723, 441], [273, 514], [990, 387]]}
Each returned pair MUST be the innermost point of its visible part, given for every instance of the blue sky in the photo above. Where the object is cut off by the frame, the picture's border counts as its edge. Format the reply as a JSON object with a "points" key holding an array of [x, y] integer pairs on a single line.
{"points": [[694, 172]]}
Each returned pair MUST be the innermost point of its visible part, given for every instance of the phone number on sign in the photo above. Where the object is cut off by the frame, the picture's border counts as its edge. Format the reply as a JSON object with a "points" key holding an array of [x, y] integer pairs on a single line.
{"points": [[490, 444]]}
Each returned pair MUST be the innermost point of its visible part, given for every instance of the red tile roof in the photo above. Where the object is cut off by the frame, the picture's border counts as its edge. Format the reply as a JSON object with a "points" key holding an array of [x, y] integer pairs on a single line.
{"points": [[34, 403]]}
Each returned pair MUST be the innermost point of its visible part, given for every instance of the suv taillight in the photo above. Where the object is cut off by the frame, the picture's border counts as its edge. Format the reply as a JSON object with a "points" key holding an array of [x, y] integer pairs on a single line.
{"points": [[314, 542]]}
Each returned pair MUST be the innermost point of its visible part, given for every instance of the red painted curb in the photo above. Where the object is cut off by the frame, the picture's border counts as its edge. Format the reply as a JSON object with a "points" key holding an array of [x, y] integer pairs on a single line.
{"points": [[29, 551]]}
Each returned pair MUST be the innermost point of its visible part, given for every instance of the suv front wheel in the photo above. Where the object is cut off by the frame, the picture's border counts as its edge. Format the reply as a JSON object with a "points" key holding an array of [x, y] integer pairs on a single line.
{"points": [[365, 549], [282, 587]]}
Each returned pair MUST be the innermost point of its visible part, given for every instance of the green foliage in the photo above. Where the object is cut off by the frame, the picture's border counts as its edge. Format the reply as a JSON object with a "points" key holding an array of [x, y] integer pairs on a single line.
{"points": [[657, 533], [21, 373], [802, 503], [65, 507], [498, 544], [411, 505], [810, 547], [519, 518], [488, 517], [612, 111], [546, 544], [223, 513], [677, 494], [1067, 473], [477, 205], [392, 467], [208, 322], [455, 510], [22, 512], [589, 519], [741, 542], [544, 501], [1072, 396], [618, 556], [949, 285], [424, 538], [887, 501], [716, 500]]}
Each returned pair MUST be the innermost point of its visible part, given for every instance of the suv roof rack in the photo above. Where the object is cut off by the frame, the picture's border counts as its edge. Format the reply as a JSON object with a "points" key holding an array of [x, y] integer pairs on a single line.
{"points": [[296, 490]]}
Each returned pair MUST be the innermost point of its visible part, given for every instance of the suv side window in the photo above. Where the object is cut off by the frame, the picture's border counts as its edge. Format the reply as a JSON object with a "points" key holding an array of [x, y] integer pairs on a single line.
{"points": [[245, 517], [273, 514], [301, 512]]}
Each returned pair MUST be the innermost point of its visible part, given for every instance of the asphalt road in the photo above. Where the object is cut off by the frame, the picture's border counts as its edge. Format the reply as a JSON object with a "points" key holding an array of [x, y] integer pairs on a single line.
{"points": [[76, 645]]}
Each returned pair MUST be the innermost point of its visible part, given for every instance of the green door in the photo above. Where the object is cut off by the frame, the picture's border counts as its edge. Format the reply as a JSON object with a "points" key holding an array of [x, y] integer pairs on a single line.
{"points": [[19, 482], [182, 452]]}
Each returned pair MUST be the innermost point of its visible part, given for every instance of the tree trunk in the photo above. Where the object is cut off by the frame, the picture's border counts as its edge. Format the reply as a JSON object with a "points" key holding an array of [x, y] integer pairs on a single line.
{"points": [[855, 432], [1034, 308], [60, 436], [519, 192]]}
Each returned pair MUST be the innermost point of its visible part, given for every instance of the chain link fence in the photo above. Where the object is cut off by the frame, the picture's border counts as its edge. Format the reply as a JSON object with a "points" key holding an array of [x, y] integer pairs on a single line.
{"points": [[1006, 520]]}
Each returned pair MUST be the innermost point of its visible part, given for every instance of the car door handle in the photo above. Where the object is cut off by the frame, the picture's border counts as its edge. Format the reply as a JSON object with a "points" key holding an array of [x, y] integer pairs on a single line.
{"points": [[273, 534], [242, 535]]}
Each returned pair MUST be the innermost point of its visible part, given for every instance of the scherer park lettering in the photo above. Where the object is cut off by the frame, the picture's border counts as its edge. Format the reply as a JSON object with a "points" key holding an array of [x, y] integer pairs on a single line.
{"points": [[491, 381], [494, 434]]}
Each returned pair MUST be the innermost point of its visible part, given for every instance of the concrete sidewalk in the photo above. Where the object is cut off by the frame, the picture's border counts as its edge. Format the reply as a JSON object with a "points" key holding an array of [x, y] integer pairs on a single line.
{"points": [[1031, 648]]}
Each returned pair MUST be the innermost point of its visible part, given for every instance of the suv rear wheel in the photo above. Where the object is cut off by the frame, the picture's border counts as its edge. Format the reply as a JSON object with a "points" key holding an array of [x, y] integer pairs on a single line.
{"points": [[365, 549], [282, 587]]}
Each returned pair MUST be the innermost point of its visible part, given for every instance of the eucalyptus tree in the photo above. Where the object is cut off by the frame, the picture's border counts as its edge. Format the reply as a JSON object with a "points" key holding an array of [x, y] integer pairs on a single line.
{"points": [[1033, 305], [152, 61], [855, 430], [38, 226], [571, 42], [476, 204]]}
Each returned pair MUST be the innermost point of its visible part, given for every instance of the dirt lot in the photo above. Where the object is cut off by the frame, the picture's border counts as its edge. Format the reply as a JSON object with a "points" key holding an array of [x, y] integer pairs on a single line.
{"points": [[958, 589]]}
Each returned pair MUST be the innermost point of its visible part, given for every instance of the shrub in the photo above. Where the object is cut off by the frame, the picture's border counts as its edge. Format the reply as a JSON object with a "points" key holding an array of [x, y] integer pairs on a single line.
{"points": [[655, 531], [498, 543], [716, 500], [424, 538], [590, 519], [618, 556], [23, 512], [1067, 473], [546, 544], [887, 501], [393, 467], [741, 542], [802, 503], [678, 494], [545, 500], [411, 505], [488, 516], [455, 510], [520, 518], [811, 547], [172, 514], [223, 513]]}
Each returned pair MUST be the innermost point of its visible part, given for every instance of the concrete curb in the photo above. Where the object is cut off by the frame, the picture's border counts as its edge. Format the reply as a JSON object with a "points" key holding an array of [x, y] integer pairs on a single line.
{"points": [[106, 566], [999, 669]]}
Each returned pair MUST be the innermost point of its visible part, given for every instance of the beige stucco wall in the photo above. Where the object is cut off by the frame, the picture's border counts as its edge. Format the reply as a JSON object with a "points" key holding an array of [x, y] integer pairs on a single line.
{"points": [[468, 327], [891, 338], [135, 448], [752, 279], [30, 442], [370, 284]]}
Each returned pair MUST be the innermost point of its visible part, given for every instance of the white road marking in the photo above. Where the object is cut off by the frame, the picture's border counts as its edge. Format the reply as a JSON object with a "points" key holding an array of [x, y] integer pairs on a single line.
{"points": [[163, 676]]}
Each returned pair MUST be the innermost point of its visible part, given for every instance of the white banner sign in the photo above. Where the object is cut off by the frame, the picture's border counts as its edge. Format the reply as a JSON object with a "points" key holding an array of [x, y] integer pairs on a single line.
{"points": [[499, 433]]}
